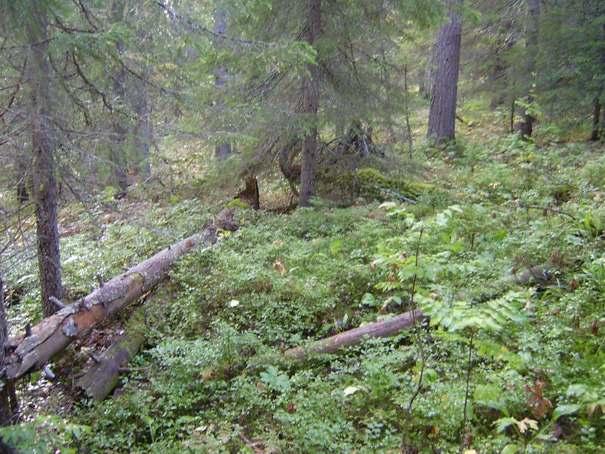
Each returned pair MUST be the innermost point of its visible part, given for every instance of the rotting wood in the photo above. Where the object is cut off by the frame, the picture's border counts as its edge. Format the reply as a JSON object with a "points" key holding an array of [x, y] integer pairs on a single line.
{"points": [[383, 328], [103, 376], [53, 334]]}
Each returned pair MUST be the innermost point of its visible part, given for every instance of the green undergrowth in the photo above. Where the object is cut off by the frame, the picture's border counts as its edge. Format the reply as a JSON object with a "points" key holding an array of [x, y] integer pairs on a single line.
{"points": [[106, 242], [508, 260]]}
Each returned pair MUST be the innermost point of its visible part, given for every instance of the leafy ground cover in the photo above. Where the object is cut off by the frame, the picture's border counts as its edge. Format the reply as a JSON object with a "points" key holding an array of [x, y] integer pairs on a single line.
{"points": [[505, 252]]}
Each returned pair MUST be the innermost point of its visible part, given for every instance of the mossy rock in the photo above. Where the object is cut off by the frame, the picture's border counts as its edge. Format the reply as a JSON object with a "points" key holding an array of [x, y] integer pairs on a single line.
{"points": [[372, 183]]}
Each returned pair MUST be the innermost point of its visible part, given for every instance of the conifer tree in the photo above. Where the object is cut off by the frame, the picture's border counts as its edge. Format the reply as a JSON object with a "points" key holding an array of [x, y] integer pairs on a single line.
{"points": [[442, 115]]}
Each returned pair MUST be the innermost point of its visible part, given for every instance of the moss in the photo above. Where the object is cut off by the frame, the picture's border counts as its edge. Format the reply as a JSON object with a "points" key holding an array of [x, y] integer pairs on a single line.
{"points": [[237, 203], [372, 183]]}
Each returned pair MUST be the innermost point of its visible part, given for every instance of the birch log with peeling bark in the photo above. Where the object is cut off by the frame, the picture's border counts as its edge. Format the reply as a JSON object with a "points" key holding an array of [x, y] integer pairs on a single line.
{"points": [[383, 328], [56, 332]]}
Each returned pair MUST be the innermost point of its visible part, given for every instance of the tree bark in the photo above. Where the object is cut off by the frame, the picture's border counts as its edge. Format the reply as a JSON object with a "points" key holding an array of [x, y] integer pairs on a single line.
{"points": [[120, 131], [383, 328], [596, 120], [143, 133], [310, 106], [6, 413], [598, 123], [54, 333], [250, 194], [223, 150], [22, 175], [526, 127], [444, 93], [43, 167], [104, 375]]}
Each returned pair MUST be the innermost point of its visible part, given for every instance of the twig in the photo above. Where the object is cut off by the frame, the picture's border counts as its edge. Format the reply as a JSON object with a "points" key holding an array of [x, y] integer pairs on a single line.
{"points": [[416, 332], [468, 376]]}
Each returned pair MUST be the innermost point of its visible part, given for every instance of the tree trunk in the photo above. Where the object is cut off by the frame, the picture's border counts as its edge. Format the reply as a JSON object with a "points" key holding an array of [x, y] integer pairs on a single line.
{"points": [[6, 413], [310, 107], [120, 132], [54, 333], [143, 133], [442, 114], [6, 408], [383, 328], [43, 168], [526, 127], [598, 123], [104, 375], [223, 150], [22, 174], [250, 194], [596, 120]]}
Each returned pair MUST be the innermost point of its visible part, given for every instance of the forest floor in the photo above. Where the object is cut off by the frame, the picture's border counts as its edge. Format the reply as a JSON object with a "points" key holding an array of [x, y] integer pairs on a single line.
{"points": [[504, 249]]}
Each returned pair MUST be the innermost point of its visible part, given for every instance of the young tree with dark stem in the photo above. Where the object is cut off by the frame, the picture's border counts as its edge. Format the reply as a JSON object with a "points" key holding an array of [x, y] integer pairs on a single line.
{"points": [[310, 106], [43, 137], [526, 127]]}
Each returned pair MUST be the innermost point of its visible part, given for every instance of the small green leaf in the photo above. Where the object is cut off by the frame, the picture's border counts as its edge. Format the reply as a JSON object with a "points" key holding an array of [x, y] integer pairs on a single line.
{"points": [[564, 410], [511, 449]]}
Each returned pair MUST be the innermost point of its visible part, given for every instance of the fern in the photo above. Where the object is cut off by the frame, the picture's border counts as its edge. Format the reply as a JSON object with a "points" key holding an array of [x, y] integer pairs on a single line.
{"points": [[492, 316]]}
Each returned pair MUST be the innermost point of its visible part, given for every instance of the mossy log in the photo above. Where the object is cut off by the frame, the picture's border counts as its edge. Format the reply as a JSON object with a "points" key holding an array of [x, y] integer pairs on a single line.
{"points": [[100, 379], [383, 328], [53, 334]]}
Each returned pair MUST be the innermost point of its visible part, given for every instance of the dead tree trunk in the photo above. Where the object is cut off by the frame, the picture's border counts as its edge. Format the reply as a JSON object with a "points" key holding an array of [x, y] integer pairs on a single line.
{"points": [[250, 194], [444, 93], [310, 106], [355, 336], [43, 166], [103, 376], [54, 333]]}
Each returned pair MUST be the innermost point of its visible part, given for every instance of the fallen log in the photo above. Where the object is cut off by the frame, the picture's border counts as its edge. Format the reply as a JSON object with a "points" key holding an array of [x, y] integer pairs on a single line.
{"points": [[100, 379], [53, 334], [383, 328]]}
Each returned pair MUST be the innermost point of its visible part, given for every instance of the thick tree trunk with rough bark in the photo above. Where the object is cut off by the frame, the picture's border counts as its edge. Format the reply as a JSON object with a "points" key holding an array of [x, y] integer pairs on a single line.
{"points": [[444, 92], [43, 167], [54, 333], [383, 328], [310, 106], [442, 114], [526, 127]]}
